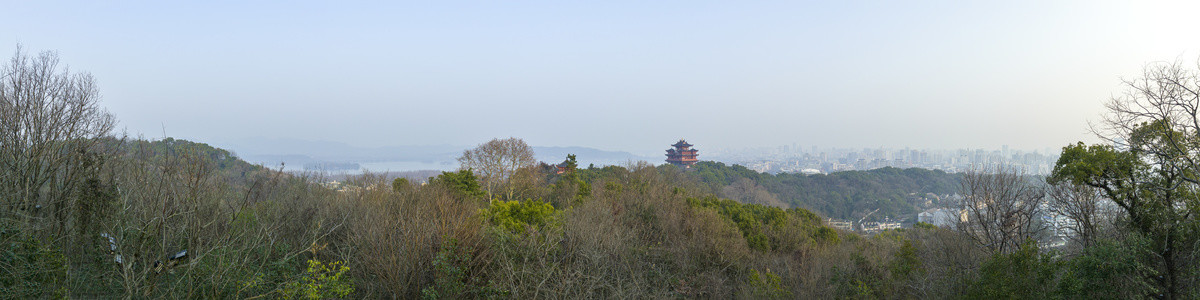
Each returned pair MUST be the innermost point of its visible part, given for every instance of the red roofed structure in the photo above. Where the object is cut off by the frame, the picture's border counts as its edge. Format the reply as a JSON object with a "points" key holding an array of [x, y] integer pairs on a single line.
{"points": [[682, 154]]}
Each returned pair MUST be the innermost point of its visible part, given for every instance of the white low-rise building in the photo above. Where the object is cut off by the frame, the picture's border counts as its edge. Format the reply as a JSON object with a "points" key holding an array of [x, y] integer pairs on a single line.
{"points": [[942, 217]]}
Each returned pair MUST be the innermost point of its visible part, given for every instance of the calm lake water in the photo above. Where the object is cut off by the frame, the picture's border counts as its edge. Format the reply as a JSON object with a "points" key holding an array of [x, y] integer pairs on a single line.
{"points": [[401, 166], [377, 167]]}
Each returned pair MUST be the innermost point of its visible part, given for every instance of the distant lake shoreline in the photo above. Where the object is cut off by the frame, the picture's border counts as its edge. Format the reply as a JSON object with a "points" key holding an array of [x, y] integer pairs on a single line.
{"points": [[354, 168]]}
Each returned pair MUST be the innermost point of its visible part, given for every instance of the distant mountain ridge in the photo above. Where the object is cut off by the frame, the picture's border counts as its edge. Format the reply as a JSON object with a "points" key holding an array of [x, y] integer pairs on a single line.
{"points": [[296, 153], [587, 155]]}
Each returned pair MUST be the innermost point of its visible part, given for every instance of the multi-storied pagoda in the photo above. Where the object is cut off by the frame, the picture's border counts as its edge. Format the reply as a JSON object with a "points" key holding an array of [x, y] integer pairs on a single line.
{"points": [[682, 155]]}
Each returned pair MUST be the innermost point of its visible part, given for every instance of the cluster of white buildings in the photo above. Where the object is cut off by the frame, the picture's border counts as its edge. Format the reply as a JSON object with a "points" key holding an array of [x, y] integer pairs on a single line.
{"points": [[863, 227], [942, 217]]}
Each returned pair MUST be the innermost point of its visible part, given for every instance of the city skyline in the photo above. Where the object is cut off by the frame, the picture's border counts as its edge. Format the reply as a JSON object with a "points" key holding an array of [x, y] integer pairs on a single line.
{"points": [[826, 160]]}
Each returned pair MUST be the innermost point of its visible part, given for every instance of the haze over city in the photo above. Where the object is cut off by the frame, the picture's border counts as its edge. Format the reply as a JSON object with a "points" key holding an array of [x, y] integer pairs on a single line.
{"points": [[626, 76]]}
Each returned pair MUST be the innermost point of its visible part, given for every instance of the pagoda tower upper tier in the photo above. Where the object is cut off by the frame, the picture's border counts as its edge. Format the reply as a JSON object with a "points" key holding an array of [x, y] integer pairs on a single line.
{"points": [[682, 154]]}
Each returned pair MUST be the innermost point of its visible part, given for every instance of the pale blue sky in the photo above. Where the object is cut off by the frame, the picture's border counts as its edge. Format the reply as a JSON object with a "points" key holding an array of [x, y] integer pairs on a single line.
{"points": [[618, 75]]}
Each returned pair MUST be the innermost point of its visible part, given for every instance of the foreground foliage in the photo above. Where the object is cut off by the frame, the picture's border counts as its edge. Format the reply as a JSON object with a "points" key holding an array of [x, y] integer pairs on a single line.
{"points": [[255, 232], [250, 232]]}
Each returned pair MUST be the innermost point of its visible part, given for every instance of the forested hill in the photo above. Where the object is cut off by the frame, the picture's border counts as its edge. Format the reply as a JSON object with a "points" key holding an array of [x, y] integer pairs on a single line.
{"points": [[221, 162], [849, 194]]}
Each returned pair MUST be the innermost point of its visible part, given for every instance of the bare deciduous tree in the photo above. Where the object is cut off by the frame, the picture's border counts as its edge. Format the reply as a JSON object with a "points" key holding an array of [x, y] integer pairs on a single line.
{"points": [[49, 120], [1001, 208], [498, 160], [746, 191], [1168, 94], [1083, 205]]}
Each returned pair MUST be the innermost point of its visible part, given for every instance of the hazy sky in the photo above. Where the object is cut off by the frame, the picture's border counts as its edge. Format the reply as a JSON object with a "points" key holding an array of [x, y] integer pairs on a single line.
{"points": [[615, 75]]}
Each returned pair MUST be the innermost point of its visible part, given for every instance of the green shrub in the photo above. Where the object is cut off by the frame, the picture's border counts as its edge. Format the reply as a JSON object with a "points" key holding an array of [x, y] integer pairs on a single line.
{"points": [[517, 216], [863, 279], [320, 281], [767, 285], [1111, 269], [1025, 274], [30, 267], [401, 185], [451, 279], [463, 183], [763, 226], [826, 235]]}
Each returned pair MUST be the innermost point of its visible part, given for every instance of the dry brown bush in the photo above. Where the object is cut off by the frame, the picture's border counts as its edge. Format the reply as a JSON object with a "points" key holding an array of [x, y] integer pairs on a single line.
{"points": [[243, 235], [950, 259], [392, 238]]}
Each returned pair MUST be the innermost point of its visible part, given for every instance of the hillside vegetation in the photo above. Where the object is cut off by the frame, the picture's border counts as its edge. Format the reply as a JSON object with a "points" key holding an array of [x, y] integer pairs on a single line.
{"points": [[250, 231], [612, 232], [844, 195]]}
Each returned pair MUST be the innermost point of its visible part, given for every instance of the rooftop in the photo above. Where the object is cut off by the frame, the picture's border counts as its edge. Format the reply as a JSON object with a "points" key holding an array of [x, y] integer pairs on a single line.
{"points": [[681, 143]]}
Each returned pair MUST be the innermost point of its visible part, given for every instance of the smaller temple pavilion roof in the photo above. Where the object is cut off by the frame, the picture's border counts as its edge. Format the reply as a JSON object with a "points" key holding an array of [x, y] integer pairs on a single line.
{"points": [[682, 143]]}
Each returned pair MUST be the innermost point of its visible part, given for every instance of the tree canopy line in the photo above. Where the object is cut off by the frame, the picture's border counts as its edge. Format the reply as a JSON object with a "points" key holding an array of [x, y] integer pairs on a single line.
{"points": [[88, 214]]}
